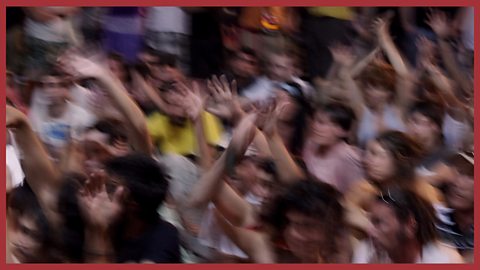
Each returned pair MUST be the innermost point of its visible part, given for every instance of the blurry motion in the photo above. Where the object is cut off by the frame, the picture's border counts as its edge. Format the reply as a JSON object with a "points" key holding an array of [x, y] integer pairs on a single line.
{"points": [[327, 154], [58, 119], [49, 31], [389, 161], [123, 31], [456, 222], [404, 232], [168, 30]]}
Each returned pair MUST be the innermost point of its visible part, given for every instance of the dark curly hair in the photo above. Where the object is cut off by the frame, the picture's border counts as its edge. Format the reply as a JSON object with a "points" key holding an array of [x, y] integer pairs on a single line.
{"points": [[406, 153], [314, 199]]}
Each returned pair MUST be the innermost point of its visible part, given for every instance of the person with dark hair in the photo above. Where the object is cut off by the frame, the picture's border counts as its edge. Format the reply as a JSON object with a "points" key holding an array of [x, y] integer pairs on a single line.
{"points": [[384, 91], [292, 118], [327, 155], [243, 67], [389, 161], [308, 222], [140, 234], [404, 232], [425, 125], [29, 233], [289, 226], [455, 224], [180, 117]]}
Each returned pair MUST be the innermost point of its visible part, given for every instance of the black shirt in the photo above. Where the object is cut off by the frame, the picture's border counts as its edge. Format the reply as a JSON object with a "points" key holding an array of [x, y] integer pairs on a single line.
{"points": [[159, 244]]}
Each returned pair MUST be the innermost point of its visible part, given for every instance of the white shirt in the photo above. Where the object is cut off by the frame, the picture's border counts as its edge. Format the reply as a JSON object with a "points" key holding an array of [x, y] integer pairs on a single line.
{"points": [[56, 132], [435, 252], [13, 166], [57, 30], [260, 90], [168, 19], [468, 29]]}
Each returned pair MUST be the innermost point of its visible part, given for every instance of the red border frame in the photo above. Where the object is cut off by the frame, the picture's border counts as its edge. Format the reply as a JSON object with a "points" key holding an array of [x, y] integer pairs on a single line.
{"points": [[6, 3]]}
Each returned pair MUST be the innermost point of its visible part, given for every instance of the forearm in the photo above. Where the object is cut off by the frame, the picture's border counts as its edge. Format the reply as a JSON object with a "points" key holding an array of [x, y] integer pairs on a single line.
{"points": [[134, 117], [234, 207], [203, 148], [36, 161], [393, 55], [256, 245], [288, 170], [209, 183], [149, 92], [452, 67]]}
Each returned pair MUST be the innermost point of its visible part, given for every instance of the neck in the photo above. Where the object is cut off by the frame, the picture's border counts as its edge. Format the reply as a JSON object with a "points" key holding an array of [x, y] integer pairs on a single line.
{"points": [[464, 219], [409, 252], [56, 110]]}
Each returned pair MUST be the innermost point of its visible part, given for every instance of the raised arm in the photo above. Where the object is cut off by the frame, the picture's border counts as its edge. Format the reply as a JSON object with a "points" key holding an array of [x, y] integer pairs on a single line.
{"points": [[288, 170], [133, 116], [211, 182], [194, 108], [149, 91], [40, 172], [439, 23], [343, 56], [256, 245], [405, 82]]}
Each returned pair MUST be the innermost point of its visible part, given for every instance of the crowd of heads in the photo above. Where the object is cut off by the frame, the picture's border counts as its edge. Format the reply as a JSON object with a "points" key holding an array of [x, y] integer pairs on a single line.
{"points": [[174, 144]]}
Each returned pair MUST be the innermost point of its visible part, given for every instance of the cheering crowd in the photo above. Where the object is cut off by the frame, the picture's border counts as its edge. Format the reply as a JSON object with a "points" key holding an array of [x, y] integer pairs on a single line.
{"points": [[239, 135]]}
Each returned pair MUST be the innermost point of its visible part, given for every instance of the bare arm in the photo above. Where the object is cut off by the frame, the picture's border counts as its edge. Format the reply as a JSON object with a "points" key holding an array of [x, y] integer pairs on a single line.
{"points": [[439, 23], [288, 170], [40, 172], [133, 116], [343, 56], [210, 183], [256, 245], [149, 92], [405, 84]]}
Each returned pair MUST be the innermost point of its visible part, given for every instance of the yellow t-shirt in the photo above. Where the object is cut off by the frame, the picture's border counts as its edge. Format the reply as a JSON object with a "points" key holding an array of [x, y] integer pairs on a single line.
{"points": [[171, 138], [342, 13]]}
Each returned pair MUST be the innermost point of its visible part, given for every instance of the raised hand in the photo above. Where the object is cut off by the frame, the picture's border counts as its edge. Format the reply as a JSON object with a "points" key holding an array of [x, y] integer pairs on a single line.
{"points": [[224, 102], [80, 67], [426, 48], [439, 23], [194, 102], [243, 135], [381, 28], [98, 209], [14, 117], [342, 55]]}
